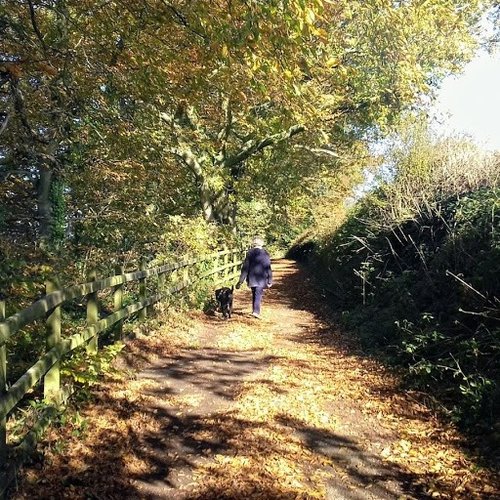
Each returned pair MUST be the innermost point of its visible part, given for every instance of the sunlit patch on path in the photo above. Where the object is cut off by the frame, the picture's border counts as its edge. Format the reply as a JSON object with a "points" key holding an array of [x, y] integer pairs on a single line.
{"points": [[281, 407]]}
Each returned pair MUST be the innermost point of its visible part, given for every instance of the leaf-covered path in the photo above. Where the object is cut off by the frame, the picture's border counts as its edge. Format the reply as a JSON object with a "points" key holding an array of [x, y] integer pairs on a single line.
{"points": [[282, 407]]}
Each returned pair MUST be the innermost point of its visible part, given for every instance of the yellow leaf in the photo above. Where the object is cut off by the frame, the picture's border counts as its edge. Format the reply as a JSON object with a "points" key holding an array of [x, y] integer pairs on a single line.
{"points": [[386, 452], [405, 445], [310, 16], [333, 61], [321, 33]]}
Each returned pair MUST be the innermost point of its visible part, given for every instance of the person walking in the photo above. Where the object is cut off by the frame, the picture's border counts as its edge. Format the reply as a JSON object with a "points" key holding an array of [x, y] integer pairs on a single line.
{"points": [[256, 271]]}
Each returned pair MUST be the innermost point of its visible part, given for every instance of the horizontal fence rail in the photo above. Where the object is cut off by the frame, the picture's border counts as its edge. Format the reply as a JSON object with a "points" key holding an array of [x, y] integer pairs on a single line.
{"points": [[224, 267]]}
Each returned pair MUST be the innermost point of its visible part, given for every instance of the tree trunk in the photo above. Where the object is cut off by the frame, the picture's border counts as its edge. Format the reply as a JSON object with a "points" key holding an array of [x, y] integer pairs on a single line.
{"points": [[218, 207], [44, 203]]}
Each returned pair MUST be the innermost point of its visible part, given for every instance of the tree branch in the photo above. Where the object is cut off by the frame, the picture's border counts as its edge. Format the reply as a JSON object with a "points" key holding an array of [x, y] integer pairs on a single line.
{"points": [[18, 100], [35, 26], [223, 135], [228, 121], [185, 154], [252, 147], [5, 120], [182, 20], [183, 118], [318, 151]]}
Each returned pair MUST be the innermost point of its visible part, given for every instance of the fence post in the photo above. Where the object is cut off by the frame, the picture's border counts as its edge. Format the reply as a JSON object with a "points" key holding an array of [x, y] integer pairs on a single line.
{"points": [[216, 267], [3, 390], [226, 263], [92, 315], [143, 313], [161, 284], [174, 278], [118, 303], [52, 379], [235, 264]]}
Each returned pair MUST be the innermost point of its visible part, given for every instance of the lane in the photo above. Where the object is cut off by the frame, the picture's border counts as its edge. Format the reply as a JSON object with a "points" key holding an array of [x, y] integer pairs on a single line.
{"points": [[280, 407]]}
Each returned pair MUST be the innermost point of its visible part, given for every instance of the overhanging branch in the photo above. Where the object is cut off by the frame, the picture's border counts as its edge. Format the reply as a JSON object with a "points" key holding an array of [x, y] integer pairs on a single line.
{"points": [[35, 25], [252, 147], [318, 151]]}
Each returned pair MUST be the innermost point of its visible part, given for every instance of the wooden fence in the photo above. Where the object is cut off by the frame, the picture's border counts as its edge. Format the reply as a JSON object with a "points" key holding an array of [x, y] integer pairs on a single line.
{"points": [[220, 267]]}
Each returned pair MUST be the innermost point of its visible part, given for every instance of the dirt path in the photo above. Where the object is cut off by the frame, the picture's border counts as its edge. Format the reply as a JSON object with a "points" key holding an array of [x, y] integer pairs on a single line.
{"points": [[282, 407]]}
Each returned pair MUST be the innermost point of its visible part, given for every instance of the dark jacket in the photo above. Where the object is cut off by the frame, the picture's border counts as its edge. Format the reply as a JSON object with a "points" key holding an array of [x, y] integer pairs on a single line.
{"points": [[256, 269]]}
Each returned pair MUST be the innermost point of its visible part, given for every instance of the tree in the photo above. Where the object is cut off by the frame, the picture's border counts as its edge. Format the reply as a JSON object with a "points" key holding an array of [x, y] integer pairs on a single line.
{"points": [[42, 105], [195, 93]]}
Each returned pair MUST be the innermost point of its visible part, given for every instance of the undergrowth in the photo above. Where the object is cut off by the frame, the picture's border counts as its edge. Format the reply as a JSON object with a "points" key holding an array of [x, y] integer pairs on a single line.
{"points": [[417, 276]]}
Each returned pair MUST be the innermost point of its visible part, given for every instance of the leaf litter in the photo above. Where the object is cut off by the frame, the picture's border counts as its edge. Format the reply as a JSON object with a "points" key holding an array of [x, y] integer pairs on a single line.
{"points": [[315, 413]]}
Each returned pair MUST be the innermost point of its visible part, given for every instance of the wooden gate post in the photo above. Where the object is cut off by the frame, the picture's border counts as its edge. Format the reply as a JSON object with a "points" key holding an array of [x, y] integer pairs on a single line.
{"points": [[52, 379], [3, 390], [118, 303], [92, 315], [143, 313]]}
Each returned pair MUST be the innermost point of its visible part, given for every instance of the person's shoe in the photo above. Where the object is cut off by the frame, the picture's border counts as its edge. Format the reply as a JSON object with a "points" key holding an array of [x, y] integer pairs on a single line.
{"points": [[255, 315]]}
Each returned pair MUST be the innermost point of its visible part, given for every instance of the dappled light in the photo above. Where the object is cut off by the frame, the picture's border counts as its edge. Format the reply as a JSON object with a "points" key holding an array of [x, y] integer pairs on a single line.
{"points": [[145, 147], [286, 406]]}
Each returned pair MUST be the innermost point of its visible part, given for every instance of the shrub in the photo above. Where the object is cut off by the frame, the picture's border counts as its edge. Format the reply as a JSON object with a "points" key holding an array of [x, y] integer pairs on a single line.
{"points": [[416, 274]]}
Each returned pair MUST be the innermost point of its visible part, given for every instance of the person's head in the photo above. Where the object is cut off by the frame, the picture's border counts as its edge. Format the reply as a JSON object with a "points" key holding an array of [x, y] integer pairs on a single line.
{"points": [[257, 242]]}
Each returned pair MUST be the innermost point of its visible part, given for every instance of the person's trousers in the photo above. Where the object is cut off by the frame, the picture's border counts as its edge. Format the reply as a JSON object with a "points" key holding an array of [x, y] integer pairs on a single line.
{"points": [[257, 293]]}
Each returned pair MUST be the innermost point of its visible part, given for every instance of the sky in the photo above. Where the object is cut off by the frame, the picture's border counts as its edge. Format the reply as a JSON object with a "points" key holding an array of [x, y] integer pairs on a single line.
{"points": [[469, 103], [466, 104]]}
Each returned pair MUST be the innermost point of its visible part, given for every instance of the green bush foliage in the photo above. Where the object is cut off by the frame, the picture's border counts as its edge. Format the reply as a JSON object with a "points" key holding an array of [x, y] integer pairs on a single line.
{"points": [[418, 278]]}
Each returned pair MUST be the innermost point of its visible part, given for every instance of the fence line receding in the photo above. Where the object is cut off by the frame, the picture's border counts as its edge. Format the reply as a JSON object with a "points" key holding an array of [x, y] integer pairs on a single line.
{"points": [[220, 267]]}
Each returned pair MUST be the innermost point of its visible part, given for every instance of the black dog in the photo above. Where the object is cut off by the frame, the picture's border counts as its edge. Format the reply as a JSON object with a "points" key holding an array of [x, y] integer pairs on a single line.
{"points": [[224, 298]]}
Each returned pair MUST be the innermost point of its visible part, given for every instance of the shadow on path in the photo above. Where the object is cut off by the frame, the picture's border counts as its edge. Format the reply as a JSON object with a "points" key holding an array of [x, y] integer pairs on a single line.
{"points": [[179, 443], [151, 446]]}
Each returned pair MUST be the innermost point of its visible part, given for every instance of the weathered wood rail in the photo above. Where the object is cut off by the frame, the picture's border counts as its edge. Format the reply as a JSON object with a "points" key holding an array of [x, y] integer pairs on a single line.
{"points": [[219, 267]]}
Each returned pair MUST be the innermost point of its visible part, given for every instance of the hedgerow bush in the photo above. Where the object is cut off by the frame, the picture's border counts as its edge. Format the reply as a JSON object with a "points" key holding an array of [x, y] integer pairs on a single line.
{"points": [[417, 275]]}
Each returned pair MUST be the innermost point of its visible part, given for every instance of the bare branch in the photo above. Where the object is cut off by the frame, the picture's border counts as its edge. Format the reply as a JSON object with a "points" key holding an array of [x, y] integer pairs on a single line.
{"points": [[484, 314], [470, 287]]}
